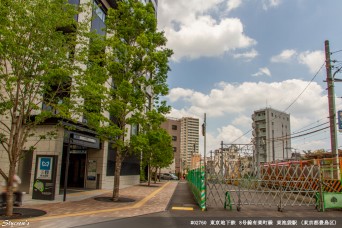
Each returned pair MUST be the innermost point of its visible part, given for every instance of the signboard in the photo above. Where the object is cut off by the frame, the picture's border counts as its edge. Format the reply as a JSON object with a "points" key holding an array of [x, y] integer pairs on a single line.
{"points": [[339, 116], [45, 177], [44, 168], [91, 171], [81, 140]]}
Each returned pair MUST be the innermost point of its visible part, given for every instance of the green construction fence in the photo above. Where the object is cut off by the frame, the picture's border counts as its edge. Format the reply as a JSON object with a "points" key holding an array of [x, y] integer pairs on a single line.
{"points": [[196, 180]]}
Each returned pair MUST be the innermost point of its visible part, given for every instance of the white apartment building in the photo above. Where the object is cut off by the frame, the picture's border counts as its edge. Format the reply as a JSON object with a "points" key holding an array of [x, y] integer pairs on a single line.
{"points": [[271, 132], [189, 140]]}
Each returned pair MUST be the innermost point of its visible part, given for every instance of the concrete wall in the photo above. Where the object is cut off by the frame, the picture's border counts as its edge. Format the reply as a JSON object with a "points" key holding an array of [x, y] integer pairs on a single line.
{"points": [[47, 147]]}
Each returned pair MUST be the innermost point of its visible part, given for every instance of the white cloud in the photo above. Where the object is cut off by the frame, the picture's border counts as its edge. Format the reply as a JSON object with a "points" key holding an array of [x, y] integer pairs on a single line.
{"points": [[313, 60], [175, 113], [242, 98], [230, 107], [267, 4], [177, 93], [233, 4], [284, 56], [242, 121], [263, 71], [193, 33], [247, 55], [229, 133]]}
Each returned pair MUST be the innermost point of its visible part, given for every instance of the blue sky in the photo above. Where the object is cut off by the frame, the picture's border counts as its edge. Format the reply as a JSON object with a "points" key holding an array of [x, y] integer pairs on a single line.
{"points": [[232, 57]]}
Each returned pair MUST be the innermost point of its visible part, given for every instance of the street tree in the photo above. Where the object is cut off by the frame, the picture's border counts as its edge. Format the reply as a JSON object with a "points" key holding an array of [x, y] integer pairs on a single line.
{"points": [[136, 63], [154, 141], [37, 47]]}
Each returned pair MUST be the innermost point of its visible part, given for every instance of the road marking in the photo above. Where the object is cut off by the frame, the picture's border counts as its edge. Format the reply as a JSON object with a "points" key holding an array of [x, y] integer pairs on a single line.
{"points": [[183, 208], [136, 205]]}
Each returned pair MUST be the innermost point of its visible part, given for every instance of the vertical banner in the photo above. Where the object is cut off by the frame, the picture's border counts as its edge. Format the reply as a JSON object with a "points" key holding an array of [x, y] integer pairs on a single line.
{"points": [[45, 177], [339, 116]]}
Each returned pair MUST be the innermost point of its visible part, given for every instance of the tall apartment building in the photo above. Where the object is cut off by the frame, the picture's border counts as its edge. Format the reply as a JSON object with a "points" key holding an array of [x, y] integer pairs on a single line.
{"points": [[91, 161], [189, 140], [271, 131], [173, 127]]}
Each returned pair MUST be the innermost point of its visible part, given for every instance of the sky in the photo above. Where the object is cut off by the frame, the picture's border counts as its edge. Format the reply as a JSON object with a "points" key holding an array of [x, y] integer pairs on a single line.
{"points": [[232, 57]]}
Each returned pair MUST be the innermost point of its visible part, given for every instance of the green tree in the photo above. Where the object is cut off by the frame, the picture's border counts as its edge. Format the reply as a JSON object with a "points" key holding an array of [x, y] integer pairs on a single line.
{"points": [[155, 142], [37, 47], [137, 65]]}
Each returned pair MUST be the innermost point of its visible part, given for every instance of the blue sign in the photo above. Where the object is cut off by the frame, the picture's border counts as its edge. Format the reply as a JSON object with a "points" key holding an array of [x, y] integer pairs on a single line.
{"points": [[45, 163], [339, 117]]}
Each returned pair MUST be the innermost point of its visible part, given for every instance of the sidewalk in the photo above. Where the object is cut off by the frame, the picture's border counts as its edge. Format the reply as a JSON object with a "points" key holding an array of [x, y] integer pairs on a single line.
{"points": [[82, 208]]}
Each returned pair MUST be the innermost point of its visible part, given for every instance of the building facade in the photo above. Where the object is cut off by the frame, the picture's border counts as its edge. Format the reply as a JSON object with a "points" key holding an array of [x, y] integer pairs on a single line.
{"points": [[89, 161], [272, 135], [189, 140], [173, 127]]}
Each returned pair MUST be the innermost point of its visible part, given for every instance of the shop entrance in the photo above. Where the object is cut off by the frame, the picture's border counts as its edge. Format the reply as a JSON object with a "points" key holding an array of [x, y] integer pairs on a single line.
{"points": [[77, 166]]}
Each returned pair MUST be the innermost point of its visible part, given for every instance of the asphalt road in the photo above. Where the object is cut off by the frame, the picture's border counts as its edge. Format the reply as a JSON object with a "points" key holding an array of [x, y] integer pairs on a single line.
{"points": [[183, 211]]}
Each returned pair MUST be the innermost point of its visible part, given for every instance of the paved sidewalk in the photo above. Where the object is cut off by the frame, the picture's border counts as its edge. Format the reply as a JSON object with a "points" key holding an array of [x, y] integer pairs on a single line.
{"points": [[81, 208]]}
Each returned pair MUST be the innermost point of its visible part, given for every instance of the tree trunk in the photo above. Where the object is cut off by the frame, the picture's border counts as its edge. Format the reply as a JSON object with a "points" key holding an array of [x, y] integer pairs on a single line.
{"points": [[9, 191], [159, 174], [149, 175], [117, 175], [155, 175]]}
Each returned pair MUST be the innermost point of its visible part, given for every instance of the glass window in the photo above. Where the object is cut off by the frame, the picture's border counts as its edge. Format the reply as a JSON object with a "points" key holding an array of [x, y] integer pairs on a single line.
{"points": [[97, 23], [99, 11], [134, 129], [174, 127]]}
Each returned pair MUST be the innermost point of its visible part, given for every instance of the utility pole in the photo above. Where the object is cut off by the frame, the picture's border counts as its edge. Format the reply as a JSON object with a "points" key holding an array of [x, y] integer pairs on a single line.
{"points": [[221, 165], [205, 141], [332, 111], [204, 130]]}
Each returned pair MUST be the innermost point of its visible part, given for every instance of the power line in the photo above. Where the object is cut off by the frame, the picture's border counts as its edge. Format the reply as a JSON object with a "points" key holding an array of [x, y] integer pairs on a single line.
{"points": [[305, 87], [309, 128], [313, 78], [310, 124], [335, 52], [281, 138]]}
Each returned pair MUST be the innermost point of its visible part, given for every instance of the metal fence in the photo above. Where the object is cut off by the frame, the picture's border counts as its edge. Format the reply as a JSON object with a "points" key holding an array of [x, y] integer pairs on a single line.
{"points": [[237, 182]]}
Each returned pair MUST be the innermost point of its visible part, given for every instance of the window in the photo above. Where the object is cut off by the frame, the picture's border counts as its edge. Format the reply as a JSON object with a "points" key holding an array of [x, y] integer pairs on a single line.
{"points": [[99, 11], [98, 22], [130, 165], [75, 2], [148, 104], [134, 129], [174, 149], [174, 127], [174, 138], [56, 93]]}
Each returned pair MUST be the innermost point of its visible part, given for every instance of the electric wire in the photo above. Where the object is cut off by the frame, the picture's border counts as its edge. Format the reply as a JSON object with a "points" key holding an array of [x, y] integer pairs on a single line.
{"points": [[295, 100]]}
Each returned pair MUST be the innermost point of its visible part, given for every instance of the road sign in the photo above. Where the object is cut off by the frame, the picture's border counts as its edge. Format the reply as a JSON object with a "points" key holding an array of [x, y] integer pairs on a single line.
{"points": [[339, 116]]}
